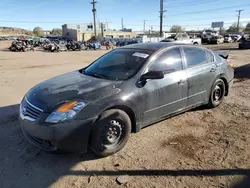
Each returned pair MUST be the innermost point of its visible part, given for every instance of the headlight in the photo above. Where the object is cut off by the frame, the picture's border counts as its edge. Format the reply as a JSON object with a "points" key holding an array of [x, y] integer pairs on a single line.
{"points": [[66, 112]]}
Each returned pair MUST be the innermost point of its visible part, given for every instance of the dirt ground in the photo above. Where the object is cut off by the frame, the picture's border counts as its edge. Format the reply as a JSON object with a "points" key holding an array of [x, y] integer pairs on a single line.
{"points": [[201, 148]]}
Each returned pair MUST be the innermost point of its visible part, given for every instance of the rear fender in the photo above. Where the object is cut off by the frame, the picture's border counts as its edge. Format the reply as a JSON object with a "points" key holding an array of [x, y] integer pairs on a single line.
{"points": [[222, 76]]}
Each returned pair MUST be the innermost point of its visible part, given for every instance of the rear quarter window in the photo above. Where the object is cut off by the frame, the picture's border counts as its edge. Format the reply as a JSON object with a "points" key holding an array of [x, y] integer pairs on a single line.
{"points": [[218, 59], [210, 56]]}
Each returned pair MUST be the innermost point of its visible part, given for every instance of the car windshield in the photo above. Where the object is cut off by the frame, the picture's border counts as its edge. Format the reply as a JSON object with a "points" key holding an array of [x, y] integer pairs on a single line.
{"points": [[119, 64], [171, 37]]}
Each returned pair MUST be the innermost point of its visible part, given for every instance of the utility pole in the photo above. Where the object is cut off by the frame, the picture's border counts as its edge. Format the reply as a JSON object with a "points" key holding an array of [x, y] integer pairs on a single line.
{"points": [[94, 15], [161, 17], [122, 24], [238, 23], [102, 28], [144, 26]]}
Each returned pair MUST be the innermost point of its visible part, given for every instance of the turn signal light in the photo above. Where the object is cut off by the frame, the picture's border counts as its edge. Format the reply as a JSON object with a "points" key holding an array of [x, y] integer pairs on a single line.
{"points": [[66, 107]]}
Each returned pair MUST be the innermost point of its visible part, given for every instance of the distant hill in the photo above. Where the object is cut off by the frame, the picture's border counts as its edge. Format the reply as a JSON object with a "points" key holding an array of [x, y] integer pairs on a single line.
{"points": [[14, 30]]}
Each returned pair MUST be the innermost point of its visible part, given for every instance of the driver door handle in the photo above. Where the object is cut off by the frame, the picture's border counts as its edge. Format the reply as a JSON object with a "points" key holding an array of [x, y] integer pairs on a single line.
{"points": [[213, 69]]}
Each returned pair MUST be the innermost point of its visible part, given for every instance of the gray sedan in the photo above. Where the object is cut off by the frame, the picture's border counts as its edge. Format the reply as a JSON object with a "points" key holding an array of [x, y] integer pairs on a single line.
{"points": [[121, 92]]}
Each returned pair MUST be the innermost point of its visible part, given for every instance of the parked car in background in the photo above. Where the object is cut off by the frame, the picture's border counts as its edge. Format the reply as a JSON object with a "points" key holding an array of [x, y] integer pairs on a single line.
{"points": [[228, 38], [244, 42], [206, 39], [123, 91], [236, 38], [216, 40], [182, 38]]}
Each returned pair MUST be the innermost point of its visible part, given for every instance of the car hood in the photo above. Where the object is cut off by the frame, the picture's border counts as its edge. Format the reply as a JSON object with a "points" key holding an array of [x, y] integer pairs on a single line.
{"points": [[51, 93]]}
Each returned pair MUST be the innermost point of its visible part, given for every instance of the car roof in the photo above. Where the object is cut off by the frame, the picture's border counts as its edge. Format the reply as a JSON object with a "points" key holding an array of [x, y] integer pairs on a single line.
{"points": [[152, 46]]}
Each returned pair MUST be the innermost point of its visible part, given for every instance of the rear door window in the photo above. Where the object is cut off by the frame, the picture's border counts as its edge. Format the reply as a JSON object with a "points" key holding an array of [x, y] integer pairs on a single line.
{"points": [[168, 62], [195, 56]]}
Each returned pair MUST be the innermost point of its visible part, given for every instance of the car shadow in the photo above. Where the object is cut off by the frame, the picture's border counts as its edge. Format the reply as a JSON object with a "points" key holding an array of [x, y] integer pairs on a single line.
{"points": [[154, 172], [9, 113], [27, 166], [200, 108], [242, 72], [245, 183], [230, 49], [5, 50]]}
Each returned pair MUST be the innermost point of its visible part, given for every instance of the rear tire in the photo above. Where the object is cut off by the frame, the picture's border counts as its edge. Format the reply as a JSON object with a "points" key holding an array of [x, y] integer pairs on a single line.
{"points": [[110, 132], [217, 93]]}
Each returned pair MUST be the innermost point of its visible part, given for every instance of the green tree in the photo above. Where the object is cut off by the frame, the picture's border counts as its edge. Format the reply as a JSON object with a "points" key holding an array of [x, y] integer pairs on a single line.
{"points": [[223, 31], [38, 31], [176, 29], [233, 28], [28, 33], [247, 29], [56, 31]]}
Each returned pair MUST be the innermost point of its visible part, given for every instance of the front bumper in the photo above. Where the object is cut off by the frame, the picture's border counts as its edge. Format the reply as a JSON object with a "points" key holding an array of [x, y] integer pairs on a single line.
{"points": [[230, 84], [71, 136]]}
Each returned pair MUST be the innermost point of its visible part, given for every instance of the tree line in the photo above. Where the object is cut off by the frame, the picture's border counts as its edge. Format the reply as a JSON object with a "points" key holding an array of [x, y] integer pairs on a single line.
{"points": [[38, 31], [231, 29]]}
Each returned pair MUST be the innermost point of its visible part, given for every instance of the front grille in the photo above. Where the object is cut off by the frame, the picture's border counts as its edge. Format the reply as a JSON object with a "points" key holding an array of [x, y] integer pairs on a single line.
{"points": [[30, 110]]}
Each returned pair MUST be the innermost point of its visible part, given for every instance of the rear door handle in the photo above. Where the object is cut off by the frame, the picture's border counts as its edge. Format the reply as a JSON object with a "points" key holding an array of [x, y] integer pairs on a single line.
{"points": [[181, 81], [213, 69]]}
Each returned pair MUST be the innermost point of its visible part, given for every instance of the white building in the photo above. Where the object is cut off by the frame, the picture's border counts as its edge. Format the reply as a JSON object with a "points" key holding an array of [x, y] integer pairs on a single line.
{"points": [[81, 32]]}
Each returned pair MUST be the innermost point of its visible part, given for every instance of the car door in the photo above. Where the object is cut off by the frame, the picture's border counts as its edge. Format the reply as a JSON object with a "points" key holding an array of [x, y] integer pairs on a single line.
{"points": [[185, 39], [178, 38], [162, 97], [201, 73]]}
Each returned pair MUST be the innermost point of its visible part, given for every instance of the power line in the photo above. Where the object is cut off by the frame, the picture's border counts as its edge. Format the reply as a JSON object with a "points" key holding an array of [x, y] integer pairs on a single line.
{"points": [[25, 7], [205, 18], [189, 3], [227, 23], [32, 21], [238, 23], [208, 10], [47, 22]]}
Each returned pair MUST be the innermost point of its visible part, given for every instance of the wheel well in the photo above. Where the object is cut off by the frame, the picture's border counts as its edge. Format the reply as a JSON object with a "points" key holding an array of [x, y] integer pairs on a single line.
{"points": [[226, 85], [130, 113]]}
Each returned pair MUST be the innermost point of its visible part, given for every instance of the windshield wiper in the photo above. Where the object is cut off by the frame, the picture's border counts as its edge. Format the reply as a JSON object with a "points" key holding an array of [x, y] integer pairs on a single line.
{"points": [[95, 75]]}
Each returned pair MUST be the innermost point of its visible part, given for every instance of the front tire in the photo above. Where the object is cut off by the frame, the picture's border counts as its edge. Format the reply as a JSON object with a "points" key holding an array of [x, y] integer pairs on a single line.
{"points": [[217, 93], [110, 133]]}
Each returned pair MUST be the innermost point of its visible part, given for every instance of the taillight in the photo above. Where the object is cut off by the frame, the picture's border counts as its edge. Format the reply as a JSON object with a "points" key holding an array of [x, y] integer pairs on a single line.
{"points": [[229, 62]]}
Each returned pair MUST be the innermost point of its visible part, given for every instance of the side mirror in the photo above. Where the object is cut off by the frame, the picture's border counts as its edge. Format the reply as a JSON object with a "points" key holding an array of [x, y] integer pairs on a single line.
{"points": [[175, 38], [152, 75]]}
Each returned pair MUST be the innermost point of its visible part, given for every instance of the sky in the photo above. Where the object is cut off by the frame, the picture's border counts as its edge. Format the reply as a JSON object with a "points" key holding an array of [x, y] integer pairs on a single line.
{"points": [[191, 14]]}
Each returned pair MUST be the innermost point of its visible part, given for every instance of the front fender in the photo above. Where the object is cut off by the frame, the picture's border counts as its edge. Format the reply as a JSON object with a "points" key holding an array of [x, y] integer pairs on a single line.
{"points": [[126, 105], [119, 102]]}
